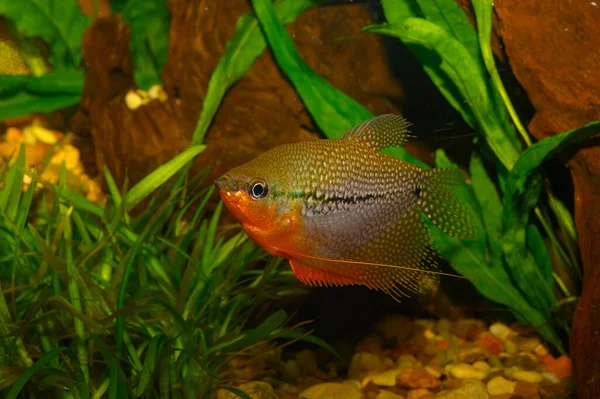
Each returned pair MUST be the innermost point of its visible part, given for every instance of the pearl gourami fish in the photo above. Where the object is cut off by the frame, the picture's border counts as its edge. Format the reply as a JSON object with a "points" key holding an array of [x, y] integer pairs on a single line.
{"points": [[344, 214]]}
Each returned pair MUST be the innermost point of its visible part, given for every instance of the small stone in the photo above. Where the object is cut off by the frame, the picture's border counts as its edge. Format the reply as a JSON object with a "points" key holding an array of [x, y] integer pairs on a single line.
{"points": [[386, 378], [332, 390], [133, 100], [491, 344], [540, 350], [307, 361], [524, 375], [471, 389], [371, 343], [510, 347], [527, 344], [527, 390], [418, 378], [408, 361], [494, 361], [443, 326], [429, 334], [527, 363], [502, 331], [464, 371], [254, 389], [470, 353], [406, 349], [353, 383], [500, 386], [468, 328], [509, 361], [420, 393], [434, 371], [369, 389], [395, 327], [561, 367], [551, 378], [291, 371], [383, 394], [481, 365], [363, 364]]}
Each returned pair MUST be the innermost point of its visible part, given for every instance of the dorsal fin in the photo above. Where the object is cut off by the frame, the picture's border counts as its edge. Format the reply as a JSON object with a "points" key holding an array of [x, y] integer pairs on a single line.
{"points": [[381, 132]]}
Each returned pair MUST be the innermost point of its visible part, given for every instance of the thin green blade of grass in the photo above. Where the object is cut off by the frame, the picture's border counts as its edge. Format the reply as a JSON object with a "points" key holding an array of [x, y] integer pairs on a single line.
{"points": [[250, 337], [160, 176], [32, 370], [464, 73], [10, 196], [73, 290], [332, 110], [246, 45]]}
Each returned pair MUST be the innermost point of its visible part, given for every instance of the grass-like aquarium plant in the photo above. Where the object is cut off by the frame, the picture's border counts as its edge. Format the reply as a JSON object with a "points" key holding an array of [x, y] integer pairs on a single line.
{"points": [[96, 302]]}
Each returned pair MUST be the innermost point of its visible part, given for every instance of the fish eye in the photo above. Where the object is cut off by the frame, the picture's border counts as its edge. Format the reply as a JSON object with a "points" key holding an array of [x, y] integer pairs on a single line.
{"points": [[258, 189]]}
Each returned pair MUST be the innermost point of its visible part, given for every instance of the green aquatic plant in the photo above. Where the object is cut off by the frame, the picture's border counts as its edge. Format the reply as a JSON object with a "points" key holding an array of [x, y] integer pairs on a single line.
{"points": [[96, 302], [509, 263], [60, 24]]}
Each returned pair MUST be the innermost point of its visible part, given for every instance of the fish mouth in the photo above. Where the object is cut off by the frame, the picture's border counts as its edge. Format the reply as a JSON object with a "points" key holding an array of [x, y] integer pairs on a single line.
{"points": [[226, 183]]}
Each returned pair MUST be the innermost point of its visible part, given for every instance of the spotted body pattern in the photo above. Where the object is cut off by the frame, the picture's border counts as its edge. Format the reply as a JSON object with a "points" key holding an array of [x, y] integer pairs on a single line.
{"points": [[343, 213]]}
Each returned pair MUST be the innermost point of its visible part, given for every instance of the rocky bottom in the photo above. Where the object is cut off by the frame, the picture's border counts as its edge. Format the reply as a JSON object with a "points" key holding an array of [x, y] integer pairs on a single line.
{"points": [[416, 359]]}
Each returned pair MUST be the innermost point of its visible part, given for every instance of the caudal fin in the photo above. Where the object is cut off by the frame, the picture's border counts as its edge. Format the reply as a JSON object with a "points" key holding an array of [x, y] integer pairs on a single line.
{"points": [[438, 202]]}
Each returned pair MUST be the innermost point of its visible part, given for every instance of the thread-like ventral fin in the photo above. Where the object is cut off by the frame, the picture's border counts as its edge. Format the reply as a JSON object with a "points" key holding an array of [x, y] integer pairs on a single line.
{"points": [[381, 132]]}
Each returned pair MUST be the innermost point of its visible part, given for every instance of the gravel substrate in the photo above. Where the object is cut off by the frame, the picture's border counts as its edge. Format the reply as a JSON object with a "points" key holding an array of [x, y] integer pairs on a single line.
{"points": [[422, 359]]}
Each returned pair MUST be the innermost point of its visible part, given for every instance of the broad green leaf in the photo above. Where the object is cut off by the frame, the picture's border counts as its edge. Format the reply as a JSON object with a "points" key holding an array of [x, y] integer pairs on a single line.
{"points": [[545, 149], [66, 81], [524, 184], [332, 110], [523, 188], [246, 45], [458, 65], [160, 176], [24, 103], [483, 14], [487, 273], [539, 250], [449, 16], [58, 23], [397, 11], [118, 5], [150, 22], [489, 201], [25, 95]]}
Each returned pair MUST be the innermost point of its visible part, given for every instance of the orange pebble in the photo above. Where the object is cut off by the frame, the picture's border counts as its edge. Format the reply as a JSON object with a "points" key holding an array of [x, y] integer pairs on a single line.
{"points": [[561, 367], [443, 343], [491, 344]]}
